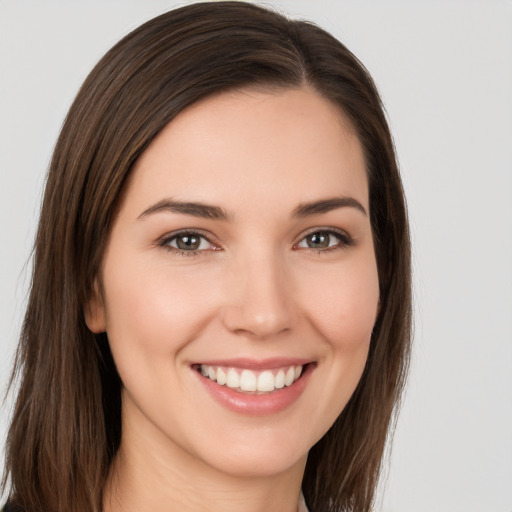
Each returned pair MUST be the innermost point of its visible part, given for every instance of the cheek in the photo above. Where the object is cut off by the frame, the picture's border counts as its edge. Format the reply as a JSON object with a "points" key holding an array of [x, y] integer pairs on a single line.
{"points": [[344, 314], [152, 312], [344, 305]]}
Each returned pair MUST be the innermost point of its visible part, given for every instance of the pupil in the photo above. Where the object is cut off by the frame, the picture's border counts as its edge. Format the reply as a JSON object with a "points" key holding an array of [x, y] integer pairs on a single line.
{"points": [[188, 242], [318, 240]]}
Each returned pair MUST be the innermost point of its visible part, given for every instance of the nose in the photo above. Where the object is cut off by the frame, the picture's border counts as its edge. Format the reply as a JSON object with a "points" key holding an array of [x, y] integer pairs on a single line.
{"points": [[260, 301]]}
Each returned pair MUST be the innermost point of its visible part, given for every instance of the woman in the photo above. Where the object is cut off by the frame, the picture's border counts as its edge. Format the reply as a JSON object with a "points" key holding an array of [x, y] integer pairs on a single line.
{"points": [[219, 315]]}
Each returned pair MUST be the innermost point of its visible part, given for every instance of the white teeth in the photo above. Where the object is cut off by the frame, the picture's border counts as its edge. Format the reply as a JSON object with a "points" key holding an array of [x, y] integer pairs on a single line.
{"points": [[266, 381], [221, 376], [279, 380], [250, 381], [290, 376], [233, 379]]}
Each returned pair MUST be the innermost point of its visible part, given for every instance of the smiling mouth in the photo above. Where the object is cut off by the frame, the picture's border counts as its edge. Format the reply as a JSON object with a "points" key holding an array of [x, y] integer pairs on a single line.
{"points": [[245, 380]]}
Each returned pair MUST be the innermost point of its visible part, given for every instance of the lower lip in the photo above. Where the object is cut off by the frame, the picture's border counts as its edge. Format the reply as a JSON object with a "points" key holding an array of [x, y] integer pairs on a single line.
{"points": [[254, 404]]}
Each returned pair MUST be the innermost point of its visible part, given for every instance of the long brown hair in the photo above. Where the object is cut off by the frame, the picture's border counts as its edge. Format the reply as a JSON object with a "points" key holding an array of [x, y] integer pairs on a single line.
{"points": [[66, 426]]}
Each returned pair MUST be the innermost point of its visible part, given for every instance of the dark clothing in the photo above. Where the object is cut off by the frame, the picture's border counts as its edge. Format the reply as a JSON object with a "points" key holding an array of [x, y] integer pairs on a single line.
{"points": [[12, 508]]}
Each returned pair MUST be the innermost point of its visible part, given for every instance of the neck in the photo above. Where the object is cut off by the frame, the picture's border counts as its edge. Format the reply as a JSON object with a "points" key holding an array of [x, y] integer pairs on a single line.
{"points": [[151, 474]]}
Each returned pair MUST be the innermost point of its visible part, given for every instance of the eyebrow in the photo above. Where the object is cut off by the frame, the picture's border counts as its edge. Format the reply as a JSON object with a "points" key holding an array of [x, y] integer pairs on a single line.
{"points": [[327, 205], [205, 211]]}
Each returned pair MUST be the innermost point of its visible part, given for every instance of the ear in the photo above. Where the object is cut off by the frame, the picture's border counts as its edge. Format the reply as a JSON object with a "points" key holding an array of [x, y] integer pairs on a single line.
{"points": [[94, 311]]}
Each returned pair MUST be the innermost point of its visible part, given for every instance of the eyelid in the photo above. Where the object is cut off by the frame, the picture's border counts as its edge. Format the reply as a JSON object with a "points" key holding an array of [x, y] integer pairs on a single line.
{"points": [[345, 239], [165, 240]]}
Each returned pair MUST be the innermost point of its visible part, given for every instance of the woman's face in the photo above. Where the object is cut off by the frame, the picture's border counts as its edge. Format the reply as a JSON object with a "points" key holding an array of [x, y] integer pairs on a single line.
{"points": [[241, 257]]}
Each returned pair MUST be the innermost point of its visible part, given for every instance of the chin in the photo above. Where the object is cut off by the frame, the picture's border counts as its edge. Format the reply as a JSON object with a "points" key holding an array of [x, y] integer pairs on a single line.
{"points": [[259, 463], [256, 452]]}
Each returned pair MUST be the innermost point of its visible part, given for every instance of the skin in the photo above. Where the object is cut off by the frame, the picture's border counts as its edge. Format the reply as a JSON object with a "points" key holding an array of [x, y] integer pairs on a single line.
{"points": [[255, 290]]}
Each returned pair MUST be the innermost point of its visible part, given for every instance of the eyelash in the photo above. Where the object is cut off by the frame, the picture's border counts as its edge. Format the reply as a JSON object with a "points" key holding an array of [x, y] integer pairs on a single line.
{"points": [[165, 243], [344, 241]]}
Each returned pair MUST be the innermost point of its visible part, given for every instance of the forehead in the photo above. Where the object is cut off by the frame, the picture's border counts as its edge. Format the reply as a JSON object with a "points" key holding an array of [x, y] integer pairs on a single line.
{"points": [[285, 146]]}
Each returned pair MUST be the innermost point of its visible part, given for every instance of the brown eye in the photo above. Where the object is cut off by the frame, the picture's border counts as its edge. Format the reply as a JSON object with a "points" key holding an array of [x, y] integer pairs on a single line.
{"points": [[322, 240], [188, 242]]}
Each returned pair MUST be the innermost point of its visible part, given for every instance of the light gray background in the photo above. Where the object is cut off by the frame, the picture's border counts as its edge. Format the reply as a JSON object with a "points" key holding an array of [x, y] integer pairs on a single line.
{"points": [[445, 72]]}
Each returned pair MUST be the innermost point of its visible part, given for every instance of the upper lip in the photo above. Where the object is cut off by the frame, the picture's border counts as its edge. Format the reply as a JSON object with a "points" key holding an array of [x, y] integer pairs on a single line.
{"points": [[256, 364]]}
